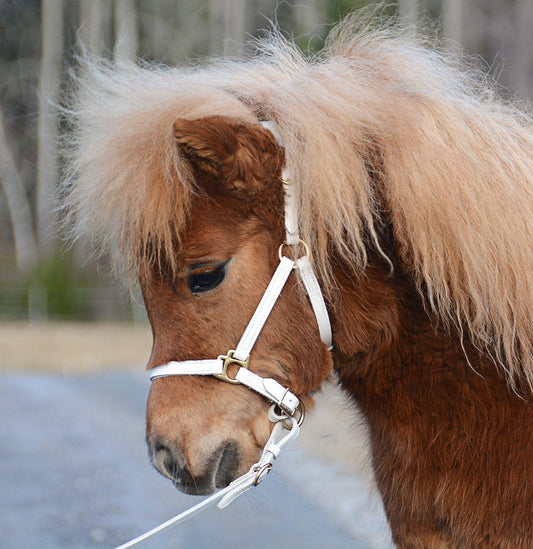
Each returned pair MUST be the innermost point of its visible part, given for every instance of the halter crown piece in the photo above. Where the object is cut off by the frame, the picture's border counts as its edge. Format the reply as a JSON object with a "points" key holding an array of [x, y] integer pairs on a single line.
{"points": [[285, 415]]}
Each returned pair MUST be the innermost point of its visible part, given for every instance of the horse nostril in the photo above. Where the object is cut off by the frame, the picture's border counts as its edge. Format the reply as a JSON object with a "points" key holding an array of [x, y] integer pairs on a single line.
{"points": [[228, 465], [163, 460], [170, 462]]}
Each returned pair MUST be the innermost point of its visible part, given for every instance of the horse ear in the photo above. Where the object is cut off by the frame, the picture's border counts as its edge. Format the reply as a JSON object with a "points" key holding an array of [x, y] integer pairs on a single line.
{"points": [[244, 156], [204, 143]]}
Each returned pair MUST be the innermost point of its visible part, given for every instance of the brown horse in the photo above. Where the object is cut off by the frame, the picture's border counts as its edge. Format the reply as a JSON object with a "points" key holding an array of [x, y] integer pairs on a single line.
{"points": [[414, 185]]}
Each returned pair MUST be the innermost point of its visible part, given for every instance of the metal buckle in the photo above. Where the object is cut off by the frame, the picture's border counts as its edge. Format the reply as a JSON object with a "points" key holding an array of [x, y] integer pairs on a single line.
{"points": [[228, 359], [279, 413]]}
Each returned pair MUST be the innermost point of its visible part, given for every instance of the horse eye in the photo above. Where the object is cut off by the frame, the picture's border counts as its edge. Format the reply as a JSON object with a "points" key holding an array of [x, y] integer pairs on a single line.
{"points": [[202, 278]]}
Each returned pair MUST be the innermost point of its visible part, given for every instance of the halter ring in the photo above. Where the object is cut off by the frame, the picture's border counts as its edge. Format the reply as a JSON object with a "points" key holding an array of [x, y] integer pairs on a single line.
{"points": [[301, 242], [275, 416]]}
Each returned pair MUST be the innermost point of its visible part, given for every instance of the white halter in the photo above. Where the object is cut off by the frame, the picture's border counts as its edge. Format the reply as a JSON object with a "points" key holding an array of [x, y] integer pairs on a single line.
{"points": [[240, 356]]}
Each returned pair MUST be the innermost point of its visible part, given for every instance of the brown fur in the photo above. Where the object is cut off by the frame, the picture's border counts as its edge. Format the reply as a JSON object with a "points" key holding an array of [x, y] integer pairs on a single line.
{"points": [[415, 189], [452, 446]]}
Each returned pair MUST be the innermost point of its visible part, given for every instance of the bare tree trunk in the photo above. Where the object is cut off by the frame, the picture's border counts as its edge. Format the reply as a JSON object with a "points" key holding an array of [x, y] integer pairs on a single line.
{"points": [[521, 68], [162, 29], [235, 26], [95, 16], [126, 29], [190, 32], [18, 205], [216, 24], [452, 20], [47, 163], [408, 12], [229, 23]]}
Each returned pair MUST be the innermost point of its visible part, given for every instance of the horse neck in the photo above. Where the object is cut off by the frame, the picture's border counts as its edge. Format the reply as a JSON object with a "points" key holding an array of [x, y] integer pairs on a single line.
{"points": [[384, 336]]}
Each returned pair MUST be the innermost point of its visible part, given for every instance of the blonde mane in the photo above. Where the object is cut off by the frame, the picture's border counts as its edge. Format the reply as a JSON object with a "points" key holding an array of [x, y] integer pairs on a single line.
{"points": [[454, 162]]}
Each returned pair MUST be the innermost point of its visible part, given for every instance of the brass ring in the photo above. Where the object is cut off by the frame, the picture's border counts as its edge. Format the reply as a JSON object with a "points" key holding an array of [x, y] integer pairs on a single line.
{"points": [[300, 408], [300, 241]]}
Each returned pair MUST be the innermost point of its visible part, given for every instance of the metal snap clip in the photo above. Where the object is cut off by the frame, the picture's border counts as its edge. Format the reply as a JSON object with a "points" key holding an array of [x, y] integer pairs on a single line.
{"points": [[261, 472]]}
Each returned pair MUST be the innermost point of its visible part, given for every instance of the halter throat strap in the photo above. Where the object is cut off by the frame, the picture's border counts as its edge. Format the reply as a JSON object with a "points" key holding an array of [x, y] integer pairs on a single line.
{"points": [[240, 356]]}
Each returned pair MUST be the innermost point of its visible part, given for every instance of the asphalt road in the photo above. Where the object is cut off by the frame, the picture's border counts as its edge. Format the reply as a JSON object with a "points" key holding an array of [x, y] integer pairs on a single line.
{"points": [[74, 474]]}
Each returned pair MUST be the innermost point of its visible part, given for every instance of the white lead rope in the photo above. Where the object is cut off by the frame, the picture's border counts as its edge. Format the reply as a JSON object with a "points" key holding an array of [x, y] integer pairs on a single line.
{"points": [[279, 438]]}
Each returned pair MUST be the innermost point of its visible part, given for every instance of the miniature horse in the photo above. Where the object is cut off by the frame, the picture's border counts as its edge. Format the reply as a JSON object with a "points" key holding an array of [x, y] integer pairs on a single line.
{"points": [[415, 191]]}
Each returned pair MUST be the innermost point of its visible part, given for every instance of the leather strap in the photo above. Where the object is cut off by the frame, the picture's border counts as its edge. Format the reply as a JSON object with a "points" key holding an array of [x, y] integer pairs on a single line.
{"points": [[292, 234], [291, 207], [206, 367], [292, 238], [317, 300], [267, 387], [250, 335]]}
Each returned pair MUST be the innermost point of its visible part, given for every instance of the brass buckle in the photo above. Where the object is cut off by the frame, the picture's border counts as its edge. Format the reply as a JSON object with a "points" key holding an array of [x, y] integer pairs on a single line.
{"points": [[228, 359]]}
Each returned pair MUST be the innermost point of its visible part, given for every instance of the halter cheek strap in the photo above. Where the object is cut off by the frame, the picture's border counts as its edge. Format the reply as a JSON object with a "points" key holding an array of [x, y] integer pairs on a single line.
{"points": [[240, 356]]}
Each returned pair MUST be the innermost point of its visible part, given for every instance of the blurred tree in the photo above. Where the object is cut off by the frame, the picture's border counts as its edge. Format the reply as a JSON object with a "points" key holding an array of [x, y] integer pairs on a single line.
{"points": [[18, 205], [500, 33], [521, 67], [452, 20], [161, 28], [192, 32], [50, 76], [408, 12], [235, 26], [95, 24], [228, 25], [126, 29]]}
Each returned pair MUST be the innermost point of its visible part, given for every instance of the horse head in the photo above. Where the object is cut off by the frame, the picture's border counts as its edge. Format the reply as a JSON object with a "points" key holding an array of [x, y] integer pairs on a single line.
{"points": [[202, 433]]}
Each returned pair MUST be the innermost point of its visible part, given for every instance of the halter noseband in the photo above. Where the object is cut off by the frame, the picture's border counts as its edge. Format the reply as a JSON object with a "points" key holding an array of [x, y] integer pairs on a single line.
{"points": [[240, 356]]}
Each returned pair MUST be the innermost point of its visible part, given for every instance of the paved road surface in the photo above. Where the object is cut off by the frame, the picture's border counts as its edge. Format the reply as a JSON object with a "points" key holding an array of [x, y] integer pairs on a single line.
{"points": [[74, 474]]}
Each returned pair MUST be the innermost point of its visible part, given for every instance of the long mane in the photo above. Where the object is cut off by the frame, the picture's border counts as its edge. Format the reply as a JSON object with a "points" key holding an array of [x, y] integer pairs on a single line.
{"points": [[455, 166]]}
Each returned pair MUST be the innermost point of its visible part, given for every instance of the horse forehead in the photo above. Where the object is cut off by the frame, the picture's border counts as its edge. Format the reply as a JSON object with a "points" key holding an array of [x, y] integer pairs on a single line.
{"points": [[222, 229]]}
